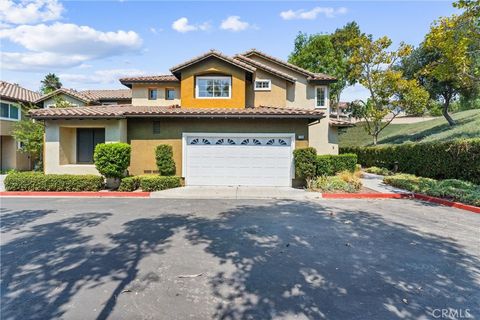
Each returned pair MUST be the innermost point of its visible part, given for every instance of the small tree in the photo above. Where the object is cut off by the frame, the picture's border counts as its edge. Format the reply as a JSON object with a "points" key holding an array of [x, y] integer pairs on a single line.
{"points": [[164, 158], [112, 160], [306, 164], [30, 136], [50, 83], [390, 93]]}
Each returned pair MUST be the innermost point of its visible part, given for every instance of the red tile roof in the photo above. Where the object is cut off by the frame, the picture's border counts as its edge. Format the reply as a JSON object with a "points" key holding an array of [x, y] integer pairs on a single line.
{"points": [[152, 78], [340, 123], [96, 95], [309, 74], [213, 53], [12, 91], [126, 111], [264, 67]]}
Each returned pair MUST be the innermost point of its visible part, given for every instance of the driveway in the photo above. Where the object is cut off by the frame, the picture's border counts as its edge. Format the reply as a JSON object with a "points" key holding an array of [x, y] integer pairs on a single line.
{"points": [[237, 259]]}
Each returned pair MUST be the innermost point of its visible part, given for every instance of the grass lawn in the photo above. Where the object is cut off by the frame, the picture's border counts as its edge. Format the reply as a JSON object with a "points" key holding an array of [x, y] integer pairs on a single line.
{"points": [[468, 126]]}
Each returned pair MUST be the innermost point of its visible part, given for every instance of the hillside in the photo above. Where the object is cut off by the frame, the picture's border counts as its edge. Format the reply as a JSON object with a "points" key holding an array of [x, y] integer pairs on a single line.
{"points": [[468, 126]]}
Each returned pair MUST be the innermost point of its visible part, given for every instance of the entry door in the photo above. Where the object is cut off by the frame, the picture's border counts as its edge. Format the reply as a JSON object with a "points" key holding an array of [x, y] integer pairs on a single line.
{"points": [[238, 160]]}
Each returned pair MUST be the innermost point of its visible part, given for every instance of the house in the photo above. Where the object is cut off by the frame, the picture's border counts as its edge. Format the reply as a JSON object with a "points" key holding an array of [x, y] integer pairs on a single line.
{"points": [[231, 120], [84, 98], [12, 99]]}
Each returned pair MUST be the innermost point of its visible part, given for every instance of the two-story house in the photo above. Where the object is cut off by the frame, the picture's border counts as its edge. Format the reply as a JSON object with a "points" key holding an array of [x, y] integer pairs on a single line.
{"points": [[12, 99], [230, 120]]}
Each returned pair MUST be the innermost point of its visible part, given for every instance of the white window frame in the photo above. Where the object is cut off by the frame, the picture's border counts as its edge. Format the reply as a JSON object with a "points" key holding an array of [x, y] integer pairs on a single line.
{"points": [[213, 78], [9, 106], [325, 90], [263, 89]]}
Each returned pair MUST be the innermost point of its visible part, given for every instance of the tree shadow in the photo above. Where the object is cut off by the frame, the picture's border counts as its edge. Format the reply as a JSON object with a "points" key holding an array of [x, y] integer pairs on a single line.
{"points": [[16, 220], [290, 259]]}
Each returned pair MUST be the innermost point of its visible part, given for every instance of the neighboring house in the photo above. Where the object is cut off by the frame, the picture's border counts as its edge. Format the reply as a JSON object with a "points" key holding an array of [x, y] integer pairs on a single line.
{"points": [[12, 98], [85, 98], [230, 121]]}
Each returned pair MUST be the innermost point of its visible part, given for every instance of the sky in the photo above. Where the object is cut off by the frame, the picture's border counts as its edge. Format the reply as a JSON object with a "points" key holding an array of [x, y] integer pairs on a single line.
{"points": [[90, 44]]}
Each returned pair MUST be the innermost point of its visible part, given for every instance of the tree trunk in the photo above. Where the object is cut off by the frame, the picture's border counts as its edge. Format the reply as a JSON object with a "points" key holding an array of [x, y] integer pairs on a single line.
{"points": [[375, 138], [445, 113]]}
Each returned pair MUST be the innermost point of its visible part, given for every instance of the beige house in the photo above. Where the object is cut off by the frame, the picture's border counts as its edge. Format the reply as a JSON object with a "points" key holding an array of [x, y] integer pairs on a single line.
{"points": [[12, 99], [86, 97], [230, 121]]}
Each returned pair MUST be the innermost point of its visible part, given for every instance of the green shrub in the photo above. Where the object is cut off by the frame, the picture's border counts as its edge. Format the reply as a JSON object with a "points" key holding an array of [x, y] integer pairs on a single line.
{"points": [[129, 184], [379, 171], [457, 159], [305, 163], [164, 158], [344, 181], [34, 181], [452, 189], [157, 183], [328, 165], [112, 159]]}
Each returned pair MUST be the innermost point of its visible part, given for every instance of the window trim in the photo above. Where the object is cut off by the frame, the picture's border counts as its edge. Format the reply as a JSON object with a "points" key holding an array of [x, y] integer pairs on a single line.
{"points": [[166, 95], [213, 78], [325, 90], [148, 93], [10, 105], [262, 89]]}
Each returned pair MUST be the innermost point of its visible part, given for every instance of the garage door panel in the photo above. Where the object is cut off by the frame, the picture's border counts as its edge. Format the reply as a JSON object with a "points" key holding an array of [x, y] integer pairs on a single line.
{"points": [[257, 161]]}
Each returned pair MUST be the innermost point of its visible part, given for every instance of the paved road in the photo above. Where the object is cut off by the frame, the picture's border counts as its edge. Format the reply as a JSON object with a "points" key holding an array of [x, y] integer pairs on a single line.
{"points": [[236, 259]]}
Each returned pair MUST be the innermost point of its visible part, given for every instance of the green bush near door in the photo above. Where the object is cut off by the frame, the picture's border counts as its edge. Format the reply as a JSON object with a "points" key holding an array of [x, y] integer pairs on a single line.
{"points": [[164, 159]]}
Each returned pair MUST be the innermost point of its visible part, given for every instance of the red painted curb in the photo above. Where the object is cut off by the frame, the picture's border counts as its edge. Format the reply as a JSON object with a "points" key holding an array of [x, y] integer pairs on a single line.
{"points": [[448, 203], [366, 195], [113, 194]]}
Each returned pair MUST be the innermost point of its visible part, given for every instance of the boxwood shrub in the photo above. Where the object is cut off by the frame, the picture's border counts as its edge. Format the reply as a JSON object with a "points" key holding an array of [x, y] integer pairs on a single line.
{"points": [[112, 159], [457, 159], [329, 165], [34, 181], [129, 184], [305, 163], [164, 160], [157, 183]]}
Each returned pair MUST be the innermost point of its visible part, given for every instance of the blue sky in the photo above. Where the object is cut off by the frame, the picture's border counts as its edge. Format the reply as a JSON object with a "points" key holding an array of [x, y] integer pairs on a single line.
{"points": [[89, 44]]}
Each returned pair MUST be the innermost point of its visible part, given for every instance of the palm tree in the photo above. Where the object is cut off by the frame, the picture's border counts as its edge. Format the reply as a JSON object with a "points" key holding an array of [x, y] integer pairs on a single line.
{"points": [[50, 83]]}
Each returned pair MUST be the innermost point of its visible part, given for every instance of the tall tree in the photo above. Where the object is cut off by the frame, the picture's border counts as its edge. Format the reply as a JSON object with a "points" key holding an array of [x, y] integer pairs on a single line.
{"points": [[327, 54], [50, 83], [374, 67]]}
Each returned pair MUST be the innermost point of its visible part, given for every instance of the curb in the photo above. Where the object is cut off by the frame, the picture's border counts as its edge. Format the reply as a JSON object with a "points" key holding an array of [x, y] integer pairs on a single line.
{"points": [[447, 203], [366, 195], [92, 194]]}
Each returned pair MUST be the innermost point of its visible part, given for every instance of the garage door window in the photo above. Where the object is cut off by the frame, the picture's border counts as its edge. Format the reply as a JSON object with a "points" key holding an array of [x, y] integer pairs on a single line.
{"points": [[239, 141]]}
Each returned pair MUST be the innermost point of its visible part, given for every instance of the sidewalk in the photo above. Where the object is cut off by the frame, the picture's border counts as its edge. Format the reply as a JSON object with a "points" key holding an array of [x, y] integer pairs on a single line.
{"points": [[375, 182]]}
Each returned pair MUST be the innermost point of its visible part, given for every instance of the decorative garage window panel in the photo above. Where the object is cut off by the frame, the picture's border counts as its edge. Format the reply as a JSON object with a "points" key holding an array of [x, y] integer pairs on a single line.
{"points": [[241, 141]]}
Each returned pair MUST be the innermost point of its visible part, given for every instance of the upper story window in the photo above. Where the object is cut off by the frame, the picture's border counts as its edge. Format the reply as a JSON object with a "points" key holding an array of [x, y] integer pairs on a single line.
{"points": [[9, 111], [152, 94], [263, 85], [209, 87], [170, 94], [321, 97]]}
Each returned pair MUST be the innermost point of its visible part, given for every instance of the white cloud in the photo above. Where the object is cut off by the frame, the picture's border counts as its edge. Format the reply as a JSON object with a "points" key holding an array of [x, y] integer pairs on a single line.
{"points": [[181, 25], [301, 14], [100, 76], [30, 11], [233, 23], [64, 45], [155, 30]]}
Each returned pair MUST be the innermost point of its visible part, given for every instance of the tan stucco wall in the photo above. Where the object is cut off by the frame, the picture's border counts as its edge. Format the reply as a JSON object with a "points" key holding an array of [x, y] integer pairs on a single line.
{"points": [[11, 157], [323, 137], [60, 143], [6, 127], [140, 95], [143, 142], [276, 97], [50, 102], [213, 66]]}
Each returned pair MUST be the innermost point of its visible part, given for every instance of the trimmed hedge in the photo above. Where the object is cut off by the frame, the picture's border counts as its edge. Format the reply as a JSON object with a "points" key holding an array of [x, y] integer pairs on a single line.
{"points": [[34, 181], [164, 160], [457, 159], [112, 159], [452, 189], [157, 183], [305, 163], [329, 165], [129, 184]]}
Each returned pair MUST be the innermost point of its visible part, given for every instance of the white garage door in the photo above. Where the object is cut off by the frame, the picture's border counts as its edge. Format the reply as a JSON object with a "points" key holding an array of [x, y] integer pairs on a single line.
{"points": [[253, 160]]}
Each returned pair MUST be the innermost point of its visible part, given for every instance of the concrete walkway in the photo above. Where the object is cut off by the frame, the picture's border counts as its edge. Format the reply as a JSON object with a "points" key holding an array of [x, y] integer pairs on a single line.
{"points": [[235, 192], [375, 182], [2, 184]]}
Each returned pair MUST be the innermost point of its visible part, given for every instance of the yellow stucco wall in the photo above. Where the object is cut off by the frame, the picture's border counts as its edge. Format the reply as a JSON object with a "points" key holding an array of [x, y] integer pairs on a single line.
{"points": [[144, 142], [140, 94], [213, 66], [276, 97]]}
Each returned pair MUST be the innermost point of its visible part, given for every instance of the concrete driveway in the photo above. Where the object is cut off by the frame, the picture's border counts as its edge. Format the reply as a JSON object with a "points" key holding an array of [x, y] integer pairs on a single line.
{"points": [[236, 259]]}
